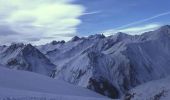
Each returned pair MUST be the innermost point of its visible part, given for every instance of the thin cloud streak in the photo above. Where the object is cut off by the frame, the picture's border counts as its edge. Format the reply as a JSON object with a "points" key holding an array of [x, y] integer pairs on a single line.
{"points": [[129, 28], [141, 29], [91, 13], [134, 30], [144, 20]]}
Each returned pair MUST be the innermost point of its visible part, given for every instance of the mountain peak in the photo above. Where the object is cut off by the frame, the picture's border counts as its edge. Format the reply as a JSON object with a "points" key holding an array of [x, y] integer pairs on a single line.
{"points": [[29, 45], [13, 47], [75, 38], [164, 31], [165, 27], [96, 36], [29, 49], [121, 34], [16, 45], [57, 42], [27, 57]]}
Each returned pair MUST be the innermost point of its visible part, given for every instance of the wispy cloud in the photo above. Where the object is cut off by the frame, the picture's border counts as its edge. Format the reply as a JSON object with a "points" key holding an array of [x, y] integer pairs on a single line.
{"points": [[142, 21], [132, 29], [41, 18], [90, 13], [141, 29]]}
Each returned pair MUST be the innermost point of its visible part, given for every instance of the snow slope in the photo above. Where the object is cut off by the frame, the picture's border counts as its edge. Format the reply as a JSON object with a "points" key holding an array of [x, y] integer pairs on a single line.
{"points": [[21, 84], [13, 94], [154, 90]]}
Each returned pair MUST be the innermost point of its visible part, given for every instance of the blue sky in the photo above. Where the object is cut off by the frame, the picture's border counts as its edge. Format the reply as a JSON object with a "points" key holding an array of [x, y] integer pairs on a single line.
{"points": [[113, 14], [41, 21]]}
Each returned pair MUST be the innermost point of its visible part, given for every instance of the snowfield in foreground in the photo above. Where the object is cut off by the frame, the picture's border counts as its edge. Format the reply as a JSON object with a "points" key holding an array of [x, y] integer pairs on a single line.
{"points": [[11, 94], [23, 85]]}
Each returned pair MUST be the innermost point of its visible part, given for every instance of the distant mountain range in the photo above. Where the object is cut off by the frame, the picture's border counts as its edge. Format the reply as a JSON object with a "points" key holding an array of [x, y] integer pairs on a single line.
{"points": [[112, 66]]}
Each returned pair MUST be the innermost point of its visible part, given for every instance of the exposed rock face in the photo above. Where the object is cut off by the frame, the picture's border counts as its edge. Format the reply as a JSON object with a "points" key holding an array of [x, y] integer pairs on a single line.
{"points": [[103, 87]]}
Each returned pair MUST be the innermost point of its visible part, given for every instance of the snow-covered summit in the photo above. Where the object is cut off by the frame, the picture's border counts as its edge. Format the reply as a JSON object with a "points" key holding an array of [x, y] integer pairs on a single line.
{"points": [[57, 42], [75, 38], [96, 36]]}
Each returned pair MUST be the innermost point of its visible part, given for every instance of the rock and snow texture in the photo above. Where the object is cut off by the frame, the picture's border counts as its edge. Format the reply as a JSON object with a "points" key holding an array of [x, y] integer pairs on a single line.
{"points": [[26, 57], [154, 90], [112, 65], [26, 85]]}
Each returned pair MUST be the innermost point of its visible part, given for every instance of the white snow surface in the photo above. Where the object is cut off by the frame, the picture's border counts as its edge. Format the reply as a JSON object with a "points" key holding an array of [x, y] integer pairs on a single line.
{"points": [[26, 85]]}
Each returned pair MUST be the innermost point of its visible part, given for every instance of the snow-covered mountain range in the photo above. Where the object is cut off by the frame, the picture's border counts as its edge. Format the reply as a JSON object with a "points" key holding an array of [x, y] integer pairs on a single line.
{"points": [[111, 66]]}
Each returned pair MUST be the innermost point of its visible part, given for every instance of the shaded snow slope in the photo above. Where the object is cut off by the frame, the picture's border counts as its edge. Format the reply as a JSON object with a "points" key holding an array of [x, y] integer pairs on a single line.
{"points": [[15, 83], [154, 90]]}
